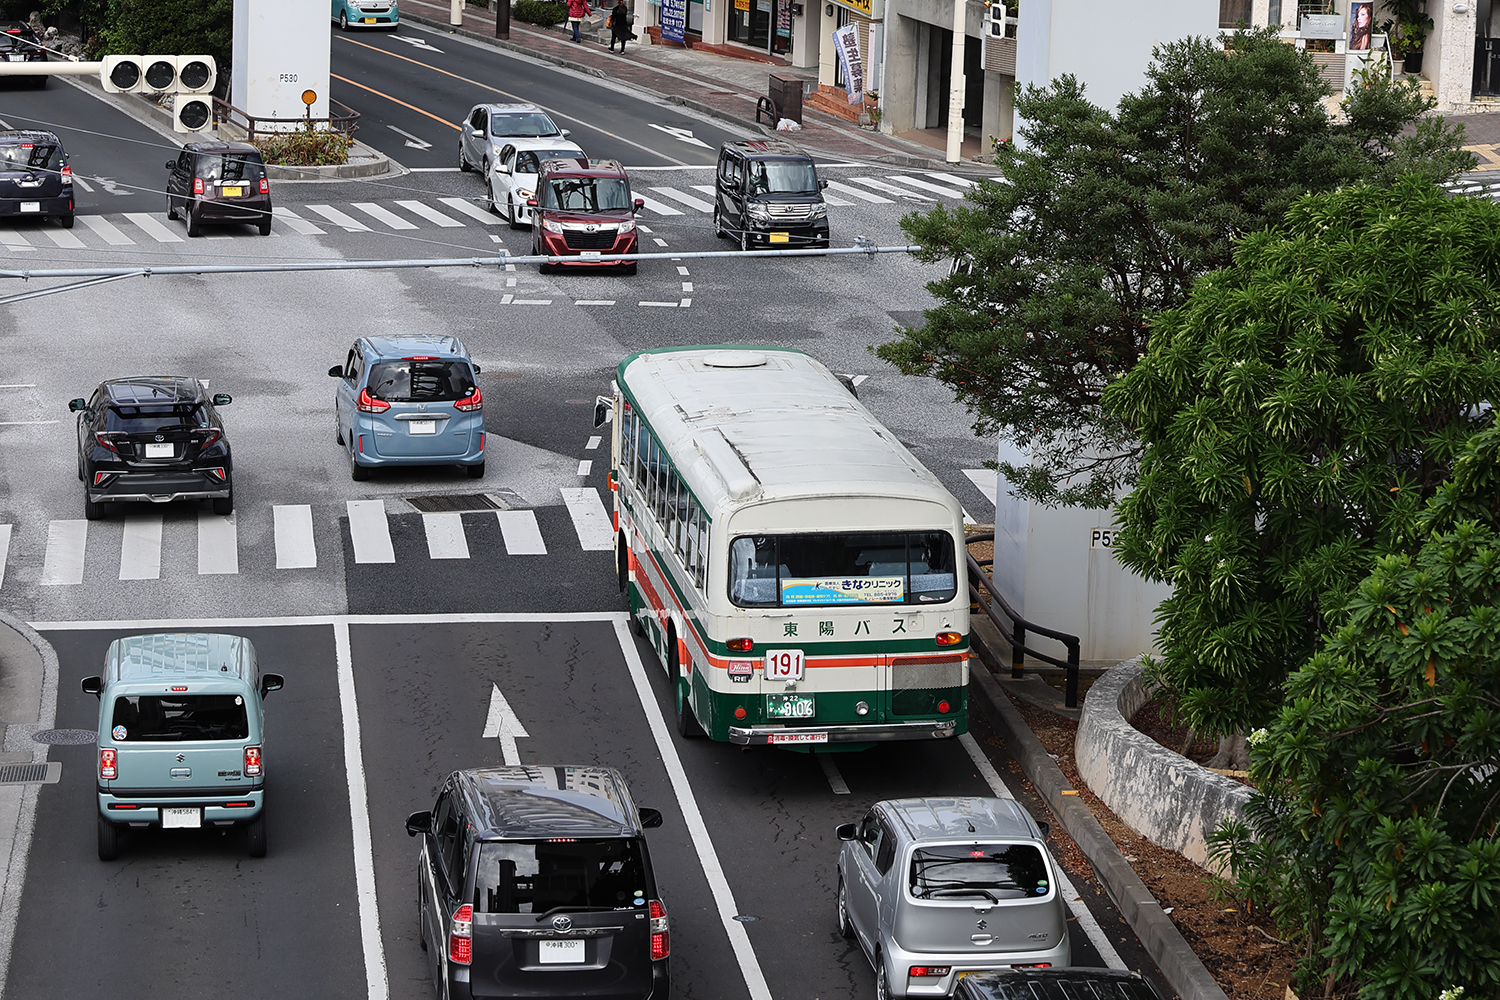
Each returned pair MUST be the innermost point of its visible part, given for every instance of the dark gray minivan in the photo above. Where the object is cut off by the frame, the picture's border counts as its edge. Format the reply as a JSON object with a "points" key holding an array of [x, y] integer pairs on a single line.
{"points": [[535, 881]]}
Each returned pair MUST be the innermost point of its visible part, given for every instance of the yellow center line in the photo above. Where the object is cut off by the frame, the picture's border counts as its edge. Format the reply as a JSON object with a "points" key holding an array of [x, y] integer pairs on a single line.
{"points": [[394, 100]]}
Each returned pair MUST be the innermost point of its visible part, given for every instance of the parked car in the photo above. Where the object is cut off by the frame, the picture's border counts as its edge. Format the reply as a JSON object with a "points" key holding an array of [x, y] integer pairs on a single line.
{"points": [[219, 182], [512, 179], [537, 882], [488, 127], [936, 889], [409, 400], [35, 179], [19, 43], [181, 736], [767, 193], [584, 210], [153, 439], [366, 14], [1056, 984]]}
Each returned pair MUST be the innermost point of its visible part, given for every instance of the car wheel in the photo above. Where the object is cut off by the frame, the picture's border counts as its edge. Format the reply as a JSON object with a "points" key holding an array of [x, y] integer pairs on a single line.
{"points": [[194, 230], [464, 166], [846, 929], [882, 985], [687, 723], [511, 214], [224, 506], [255, 835], [485, 168], [338, 430], [66, 220], [358, 473], [475, 471], [109, 840], [421, 915], [629, 268], [719, 225], [744, 240], [82, 476], [265, 228], [171, 210], [41, 83], [94, 511], [489, 196], [343, 20]]}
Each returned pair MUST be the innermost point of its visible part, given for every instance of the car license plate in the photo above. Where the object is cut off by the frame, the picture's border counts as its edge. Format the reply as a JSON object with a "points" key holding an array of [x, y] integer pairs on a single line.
{"points": [[371, 20], [775, 738], [784, 665], [779, 237], [232, 192], [31, 206], [789, 706], [183, 819], [163, 450], [421, 426], [588, 254], [564, 952]]}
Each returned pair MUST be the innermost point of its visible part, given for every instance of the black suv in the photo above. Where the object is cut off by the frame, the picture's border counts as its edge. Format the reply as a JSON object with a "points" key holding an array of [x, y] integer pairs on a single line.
{"points": [[212, 182], [35, 179], [153, 439], [766, 191], [19, 43], [536, 881]]}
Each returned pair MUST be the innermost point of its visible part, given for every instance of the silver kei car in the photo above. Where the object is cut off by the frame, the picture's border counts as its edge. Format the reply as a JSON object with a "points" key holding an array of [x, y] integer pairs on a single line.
{"points": [[938, 889]]}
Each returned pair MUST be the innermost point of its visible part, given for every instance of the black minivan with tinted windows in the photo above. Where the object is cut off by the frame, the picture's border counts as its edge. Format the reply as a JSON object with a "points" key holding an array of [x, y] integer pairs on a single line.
{"points": [[219, 182], [767, 193], [535, 881], [35, 179]]}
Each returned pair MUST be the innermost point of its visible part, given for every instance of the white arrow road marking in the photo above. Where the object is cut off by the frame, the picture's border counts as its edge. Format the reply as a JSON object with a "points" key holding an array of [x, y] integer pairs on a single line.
{"points": [[411, 140], [681, 135], [409, 40], [502, 722], [111, 185]]}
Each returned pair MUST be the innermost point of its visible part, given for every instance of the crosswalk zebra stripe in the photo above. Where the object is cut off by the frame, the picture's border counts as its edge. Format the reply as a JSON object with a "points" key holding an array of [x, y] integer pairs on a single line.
{"points": [[685, 198], [14, 241], [857, 193], [4, 550], [218, 544], [707, 189], [65, 239], [590, 520], [430, 214], [522, 535], [893, 189], [63, 563], [152, 227], [985, 481], [473, 211], [951, 179], [338, 218], [384, 215], [140, 548], [369, 532], [657, 206], [922, 185], [106, 231], [295, 222], [445, 536], [294, 536]]}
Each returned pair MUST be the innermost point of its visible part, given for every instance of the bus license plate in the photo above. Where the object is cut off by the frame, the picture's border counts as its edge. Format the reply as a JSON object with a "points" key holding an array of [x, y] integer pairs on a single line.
{"points": [[789, 706], [784, 665]]}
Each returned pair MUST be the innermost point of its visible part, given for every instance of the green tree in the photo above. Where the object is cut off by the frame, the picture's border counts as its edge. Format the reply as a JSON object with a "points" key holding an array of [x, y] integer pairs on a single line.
{"points": [[174, 27], [1295, 414], [1376, 828], [1106, 219]]}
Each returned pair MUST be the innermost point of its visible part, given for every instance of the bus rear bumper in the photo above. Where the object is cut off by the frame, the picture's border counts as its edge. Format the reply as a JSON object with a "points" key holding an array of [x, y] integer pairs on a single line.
{"points": [[813, 735]]}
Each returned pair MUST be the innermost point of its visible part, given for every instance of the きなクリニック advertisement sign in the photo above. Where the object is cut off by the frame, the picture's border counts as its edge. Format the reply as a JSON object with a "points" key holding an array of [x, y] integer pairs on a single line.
{"points": [[846, 41], [843, 590], [673, 19]]}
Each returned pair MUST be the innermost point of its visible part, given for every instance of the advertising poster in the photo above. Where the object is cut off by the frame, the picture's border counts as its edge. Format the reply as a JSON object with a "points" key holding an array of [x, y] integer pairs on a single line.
{"points": [[846, 590], [673, 19], [1361, 25], [846, 43]]}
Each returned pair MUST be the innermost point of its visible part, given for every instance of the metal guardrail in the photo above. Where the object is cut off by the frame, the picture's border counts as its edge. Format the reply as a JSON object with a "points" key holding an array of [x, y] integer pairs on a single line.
{"points": [[1015, 632], [345, 120]]}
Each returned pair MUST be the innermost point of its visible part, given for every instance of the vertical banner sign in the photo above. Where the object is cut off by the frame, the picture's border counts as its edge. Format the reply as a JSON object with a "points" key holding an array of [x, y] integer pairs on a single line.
{"points": [[784, 18], [673, 19], [846, 39]]}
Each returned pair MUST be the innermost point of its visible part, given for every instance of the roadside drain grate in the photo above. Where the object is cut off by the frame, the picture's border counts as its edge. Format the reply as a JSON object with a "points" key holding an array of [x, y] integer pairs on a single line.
{"points": [[65, 737], [31, 774]]}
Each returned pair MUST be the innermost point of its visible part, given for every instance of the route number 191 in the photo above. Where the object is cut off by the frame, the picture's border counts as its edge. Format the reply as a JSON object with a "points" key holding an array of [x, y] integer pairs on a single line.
{"points": [[784, 665]]}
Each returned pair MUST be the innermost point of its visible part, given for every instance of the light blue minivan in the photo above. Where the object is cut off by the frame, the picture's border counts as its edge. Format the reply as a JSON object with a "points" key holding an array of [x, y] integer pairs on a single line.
{"points": [[409, 400], [366, 14]]}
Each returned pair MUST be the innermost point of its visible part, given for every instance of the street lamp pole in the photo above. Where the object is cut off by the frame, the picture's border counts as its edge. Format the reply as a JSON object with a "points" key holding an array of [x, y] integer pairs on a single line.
{"points": [[956, 83]]}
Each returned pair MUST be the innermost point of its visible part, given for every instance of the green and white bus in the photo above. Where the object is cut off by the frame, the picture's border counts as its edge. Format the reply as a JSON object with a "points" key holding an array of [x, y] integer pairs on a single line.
{"points": [[797, 569]]}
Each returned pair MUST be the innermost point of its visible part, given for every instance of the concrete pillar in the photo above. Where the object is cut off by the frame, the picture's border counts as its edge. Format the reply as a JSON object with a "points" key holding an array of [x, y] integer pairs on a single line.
{"points": [[1448, 54], [999, 94], [715, 27], [828, 54], [807, 35], [905, 87]]}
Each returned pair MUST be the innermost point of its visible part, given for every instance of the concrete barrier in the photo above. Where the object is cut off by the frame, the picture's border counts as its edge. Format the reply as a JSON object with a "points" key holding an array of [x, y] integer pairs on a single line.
{"points": [[1162, 795]]}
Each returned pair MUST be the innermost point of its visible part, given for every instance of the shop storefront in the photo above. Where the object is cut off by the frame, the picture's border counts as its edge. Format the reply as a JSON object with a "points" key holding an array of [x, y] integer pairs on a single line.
{"points": [[762, 24]]}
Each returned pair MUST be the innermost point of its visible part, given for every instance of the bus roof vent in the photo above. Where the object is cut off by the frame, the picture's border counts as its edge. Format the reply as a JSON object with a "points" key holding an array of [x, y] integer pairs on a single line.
{"points": [[734, 359], [720, 454]]}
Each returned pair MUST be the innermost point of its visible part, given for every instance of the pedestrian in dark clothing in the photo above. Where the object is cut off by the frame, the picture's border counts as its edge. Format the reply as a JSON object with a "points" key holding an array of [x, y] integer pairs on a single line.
{"points": [[619, 26], [577, 11]]}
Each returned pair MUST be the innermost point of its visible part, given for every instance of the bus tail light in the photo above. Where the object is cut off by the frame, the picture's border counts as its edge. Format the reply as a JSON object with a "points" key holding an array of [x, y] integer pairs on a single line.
{"points": [[461, 936], [107, 769], [949, 638], [661, 944], [741, 645], [943, 707]]}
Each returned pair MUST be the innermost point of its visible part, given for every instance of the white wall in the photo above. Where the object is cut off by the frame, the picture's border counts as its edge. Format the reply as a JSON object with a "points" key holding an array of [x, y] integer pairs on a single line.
{"points": [[281, 48], [1448, 53]]}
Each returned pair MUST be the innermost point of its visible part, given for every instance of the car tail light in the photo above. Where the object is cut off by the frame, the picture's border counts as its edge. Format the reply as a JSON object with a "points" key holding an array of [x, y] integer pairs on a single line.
{"points": [[461, 936], [100, 478], [210, 438], [265, 186], [1039, 965], [252, 762], [369, 404], [481, 440], [106, 439], [741, 645], [421, 357], [67, 175], [197, 185], [122, 805], [178, 688], [107, 769], [238, 805], [471, 403], [217, 472], [661, 944], [948, 638], [929, 970]]}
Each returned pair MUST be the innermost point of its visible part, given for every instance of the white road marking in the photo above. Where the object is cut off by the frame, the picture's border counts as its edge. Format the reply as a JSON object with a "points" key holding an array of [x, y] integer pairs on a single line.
{"points": [[739, 941], [642, 228], [585, 467], [522, 535], [685, 303], [594, 302], [87, 187], [857, 193], [682, 270], [687, 286], [968, 518], [685, 198], [140, 548], [63, 563], [831, 772], [64, 238], [860, 380], [18, 385], [218, 544], [106, 230], [592, 522], [531, 302], [4, 550], [445, 536], [1086, 921], [419, 43], [899, 192], [434, 170], [209, 624], [471, 210], [411, 141], [836, 201], [985, 481], [659, 241], [338, 218], [664, 305], [369, 532], [25, 423], [430, 214], [593, 442], [503, 723], [15, 242], [295, 222], [153, 227], [708, 189], [384, 215], [680, 134], [377, 983], [658, 207], [922, 185], [294, 536], [952, 179]]}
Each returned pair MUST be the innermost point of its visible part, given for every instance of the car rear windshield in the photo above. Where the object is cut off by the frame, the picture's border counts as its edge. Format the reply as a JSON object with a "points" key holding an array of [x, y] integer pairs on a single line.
{"points": [[844, 568], [421, 381], [586, 194], [783, 177], [26, 155], [534, 876], [231, 167], [154, 419], [151, 718], [970, 871], [523, 123]]}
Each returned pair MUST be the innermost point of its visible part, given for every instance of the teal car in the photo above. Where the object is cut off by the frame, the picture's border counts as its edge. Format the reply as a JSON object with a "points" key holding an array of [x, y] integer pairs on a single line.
{"points": [[181, 729], [366, 14]]}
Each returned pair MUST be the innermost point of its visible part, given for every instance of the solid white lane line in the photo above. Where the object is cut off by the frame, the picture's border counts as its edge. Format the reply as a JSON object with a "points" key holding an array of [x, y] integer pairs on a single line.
{"points": [[594, 302], [377, 983], [522, 535], [338, 218], [370, 532], [445, 536], [831, 772], [218, 544], [592, 522], [1086, 921], [210, 624], [899, 192], [718, 884], [922, 185], [593, 442], [140, 548], [658, 207], [294, 536], [384, 215], [585, 467], [295, 222], [465, 207], [857, 193], [430, 214], [63, 563], [106, 231], [152, 227], [14, 241], [664, 305], [685, 198], [65, 238], [4, 550]]}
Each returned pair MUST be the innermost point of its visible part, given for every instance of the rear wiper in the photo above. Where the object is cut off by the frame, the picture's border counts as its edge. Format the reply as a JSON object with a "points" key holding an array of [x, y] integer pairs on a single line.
{"points": [[574, 909], [964, 891]]}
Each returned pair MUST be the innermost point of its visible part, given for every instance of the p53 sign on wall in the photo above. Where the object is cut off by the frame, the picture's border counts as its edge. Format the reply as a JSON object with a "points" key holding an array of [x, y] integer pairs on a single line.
{"points": [[1103, 537]]}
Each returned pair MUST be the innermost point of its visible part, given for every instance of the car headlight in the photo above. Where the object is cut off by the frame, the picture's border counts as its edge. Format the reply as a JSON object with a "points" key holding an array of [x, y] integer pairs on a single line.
{"points": [[523, 194], [626, 227], [759, 211], [552, 227], [820, 211]]}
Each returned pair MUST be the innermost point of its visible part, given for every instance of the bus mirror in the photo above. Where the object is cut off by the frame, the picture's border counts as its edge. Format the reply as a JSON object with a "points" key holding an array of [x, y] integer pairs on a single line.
{"points": [[604, 409]]}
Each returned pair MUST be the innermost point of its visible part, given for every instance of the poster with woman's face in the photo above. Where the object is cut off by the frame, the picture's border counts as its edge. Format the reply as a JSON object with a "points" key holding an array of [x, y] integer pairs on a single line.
{"points": [[1361, 24]]}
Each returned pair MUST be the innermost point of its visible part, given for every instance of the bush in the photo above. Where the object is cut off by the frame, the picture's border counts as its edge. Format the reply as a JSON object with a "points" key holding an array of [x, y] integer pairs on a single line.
{"points": [[543, 12], [305, 148]]}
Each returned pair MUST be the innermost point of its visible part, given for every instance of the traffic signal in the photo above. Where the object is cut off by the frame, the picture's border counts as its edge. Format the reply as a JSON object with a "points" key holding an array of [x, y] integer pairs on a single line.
{"points": [[122, 74], [160, 73], [191, 113], [196, 74]]}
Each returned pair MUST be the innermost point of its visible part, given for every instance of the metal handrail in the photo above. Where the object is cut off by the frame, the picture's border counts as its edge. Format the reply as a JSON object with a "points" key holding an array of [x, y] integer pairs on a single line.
{"points": [[345, 119], [1015, 632]]}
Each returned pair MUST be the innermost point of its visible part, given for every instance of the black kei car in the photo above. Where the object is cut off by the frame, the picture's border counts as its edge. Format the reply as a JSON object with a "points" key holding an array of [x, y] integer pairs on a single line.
{"points": [[1055, 984], [152, 439], [35, 179], [219, 182], [19, 43], [767, 193], [535, 881]]}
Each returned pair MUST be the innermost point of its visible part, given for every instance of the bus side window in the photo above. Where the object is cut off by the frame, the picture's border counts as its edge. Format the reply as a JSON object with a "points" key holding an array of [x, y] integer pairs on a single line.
{"points": [[642, 450], [653, 488], [663, 482], [670, 521], [627, 439]]}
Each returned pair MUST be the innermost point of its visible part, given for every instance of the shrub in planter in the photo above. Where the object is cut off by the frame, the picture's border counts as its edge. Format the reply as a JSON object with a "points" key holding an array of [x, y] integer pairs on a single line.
{"points": [[305, 148], [543, 12]]}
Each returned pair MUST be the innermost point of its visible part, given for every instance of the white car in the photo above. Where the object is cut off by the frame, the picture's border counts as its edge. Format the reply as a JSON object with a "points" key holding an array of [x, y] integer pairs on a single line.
{"points": [[488, 127], [512, 179]]}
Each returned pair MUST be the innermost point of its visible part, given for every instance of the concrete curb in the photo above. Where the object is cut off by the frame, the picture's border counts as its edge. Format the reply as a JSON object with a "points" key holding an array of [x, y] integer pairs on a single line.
{"points": [[1164, 943], [1173, 801], [18, 802]]}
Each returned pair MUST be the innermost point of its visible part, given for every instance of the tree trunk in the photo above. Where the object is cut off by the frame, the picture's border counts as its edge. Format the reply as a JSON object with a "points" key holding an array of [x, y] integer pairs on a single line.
{"points": [[1187, 744], [1233, 753]]}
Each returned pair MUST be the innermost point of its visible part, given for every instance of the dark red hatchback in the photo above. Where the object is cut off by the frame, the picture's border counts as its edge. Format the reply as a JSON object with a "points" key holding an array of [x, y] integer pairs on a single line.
{"points": [[217, 182], [583, 211]]}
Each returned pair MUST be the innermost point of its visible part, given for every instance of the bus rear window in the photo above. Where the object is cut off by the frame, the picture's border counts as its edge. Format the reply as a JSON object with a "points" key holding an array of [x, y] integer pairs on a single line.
{"points": [[150, 718], [844, 568]]}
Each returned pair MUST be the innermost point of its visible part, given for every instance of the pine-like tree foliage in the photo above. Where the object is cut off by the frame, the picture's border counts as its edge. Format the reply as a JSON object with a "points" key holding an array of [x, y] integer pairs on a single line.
{"points": [[1295, 414]]}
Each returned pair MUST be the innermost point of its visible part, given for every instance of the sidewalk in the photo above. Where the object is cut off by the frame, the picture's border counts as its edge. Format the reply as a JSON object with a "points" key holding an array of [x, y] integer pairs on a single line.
{"points": [[713, 84]]}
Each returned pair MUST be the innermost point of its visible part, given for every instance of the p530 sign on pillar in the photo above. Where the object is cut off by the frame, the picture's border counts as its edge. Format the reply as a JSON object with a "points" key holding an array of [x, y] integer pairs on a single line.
{"points": [[1103, 538], [281, 49]]}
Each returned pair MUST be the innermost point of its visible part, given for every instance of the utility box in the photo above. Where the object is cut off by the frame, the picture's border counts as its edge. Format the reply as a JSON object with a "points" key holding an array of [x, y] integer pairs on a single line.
{"points": [[786, 95], [281, 51]]}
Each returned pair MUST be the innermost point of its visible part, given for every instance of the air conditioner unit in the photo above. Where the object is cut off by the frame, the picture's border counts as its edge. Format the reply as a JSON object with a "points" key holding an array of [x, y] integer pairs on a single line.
{"points": [[192, 113], [121, 74], [196, 74]]}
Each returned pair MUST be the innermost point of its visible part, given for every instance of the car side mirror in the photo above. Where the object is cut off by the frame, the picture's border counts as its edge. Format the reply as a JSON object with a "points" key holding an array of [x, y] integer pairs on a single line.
{"points": [[640, 203], [337, 371], [477, 369], [847, 831], [418, 823], [531, 203], [222, 399], [1046, 829], [92, 685], [604, 408], [565, 133], [650, 818], [271, 682], [77, 405], [171, 164], [822, 185]]}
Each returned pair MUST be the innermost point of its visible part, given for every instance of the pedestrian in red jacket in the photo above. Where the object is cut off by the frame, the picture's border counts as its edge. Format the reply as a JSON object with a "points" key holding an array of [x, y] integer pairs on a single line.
{"points": [[577, 11]]}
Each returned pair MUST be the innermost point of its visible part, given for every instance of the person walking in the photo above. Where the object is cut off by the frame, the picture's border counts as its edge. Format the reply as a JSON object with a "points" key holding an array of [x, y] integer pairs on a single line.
{"points": [[577, 11], [619, 26]]}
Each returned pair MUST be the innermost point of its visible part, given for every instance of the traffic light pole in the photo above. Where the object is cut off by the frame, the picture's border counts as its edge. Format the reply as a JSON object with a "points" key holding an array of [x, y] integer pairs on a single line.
{"points": [[51, 68], [502, 19]]}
